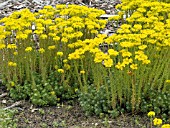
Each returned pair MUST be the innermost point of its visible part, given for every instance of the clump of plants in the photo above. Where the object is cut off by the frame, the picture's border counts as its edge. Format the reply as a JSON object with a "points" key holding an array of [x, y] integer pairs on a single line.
{"points": [[56, 51], [136, 61], [157, 122], [6, 118], [94, 101], [157, 101], [35, 47]]}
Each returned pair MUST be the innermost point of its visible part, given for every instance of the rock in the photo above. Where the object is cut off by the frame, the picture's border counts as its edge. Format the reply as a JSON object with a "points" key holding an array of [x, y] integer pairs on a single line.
{"points": [[108, 11], [3, 5], [4, 101]]}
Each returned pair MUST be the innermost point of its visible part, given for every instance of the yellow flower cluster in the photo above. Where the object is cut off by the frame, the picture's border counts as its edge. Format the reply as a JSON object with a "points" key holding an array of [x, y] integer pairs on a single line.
{"points": [[151, 114], [60, 70], [157, 121], [166, 126], [2, 46], [61, 24], [11, 46], [82, 72], [145, 28], [12, 64], [28, 49], [59, 53], [12, 83], [41, 50]]}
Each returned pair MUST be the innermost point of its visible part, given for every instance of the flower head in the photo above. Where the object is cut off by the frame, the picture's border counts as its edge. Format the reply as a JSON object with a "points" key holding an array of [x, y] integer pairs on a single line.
{"points": [[12, 64], [52, 47], [28, 49], [41, 50], [12, 83], [134, 66], [60, 70], [151, 114], [167, 81], [52, 93], [59, 53], [11, 46], [157, 121], [112, 52], [82, 72], [166, 126]]}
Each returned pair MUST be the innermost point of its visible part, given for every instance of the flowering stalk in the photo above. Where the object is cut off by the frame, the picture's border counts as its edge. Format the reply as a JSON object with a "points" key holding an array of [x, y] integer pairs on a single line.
{"points": [[78, 76]]}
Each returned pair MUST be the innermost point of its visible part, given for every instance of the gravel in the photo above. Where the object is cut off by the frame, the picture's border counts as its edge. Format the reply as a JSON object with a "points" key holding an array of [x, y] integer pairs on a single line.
{"points": [[9, 6]]}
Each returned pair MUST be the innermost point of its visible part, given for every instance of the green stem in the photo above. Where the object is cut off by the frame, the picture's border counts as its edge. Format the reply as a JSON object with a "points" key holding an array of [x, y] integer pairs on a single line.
{"points": [[78, 76]]}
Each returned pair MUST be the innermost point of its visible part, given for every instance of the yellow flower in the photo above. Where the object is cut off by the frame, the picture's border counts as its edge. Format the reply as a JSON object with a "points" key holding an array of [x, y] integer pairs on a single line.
{"points": [[137, 27], [127, 44], [52, 47], [52, 93], [65, 61], [119, 66], [146, 62], [11, 46], [94, 31], [56, 38], [59, 53], [48, 22], [73, 56], [76, 89], [64, 40], [90, 27], [82, 72], [68, 29], [2, 46], [112, 52], [142, 57], [67, 66], [15, 53], [21, 36], [108, 63], [127, 61], [27, 32], [56, 67], [167, 81], [116, 17], [41, 50], [157, 121], [78, 34], [126, 53], [142, 47], [28, 49], [38, 32], [12, 64], [60, 70], [43, 36], [12, 83], [166, 126], [134, 66], [151, 114]]}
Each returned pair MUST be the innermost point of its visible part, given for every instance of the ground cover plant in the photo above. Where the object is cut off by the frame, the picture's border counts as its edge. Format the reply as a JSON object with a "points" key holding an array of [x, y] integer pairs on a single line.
{"points": [[6, 119], [54, 55]]}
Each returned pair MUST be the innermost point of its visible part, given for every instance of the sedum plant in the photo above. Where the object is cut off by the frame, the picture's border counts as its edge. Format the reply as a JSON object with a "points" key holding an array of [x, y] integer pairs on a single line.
{"points": [[58, 51], [137, 56], [35, 48]]}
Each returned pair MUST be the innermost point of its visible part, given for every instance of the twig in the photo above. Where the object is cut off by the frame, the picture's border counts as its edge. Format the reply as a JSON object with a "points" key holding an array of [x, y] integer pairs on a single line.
{"points": [[13, 105], [3, 95]]}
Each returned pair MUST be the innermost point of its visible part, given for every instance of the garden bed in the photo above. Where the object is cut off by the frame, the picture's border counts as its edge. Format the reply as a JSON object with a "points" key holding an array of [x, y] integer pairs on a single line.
{"points": [[63, 115], [64, 64]]}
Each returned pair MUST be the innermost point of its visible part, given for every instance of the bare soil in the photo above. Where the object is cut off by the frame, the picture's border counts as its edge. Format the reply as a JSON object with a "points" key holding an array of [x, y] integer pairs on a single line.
{"points": [[66, 115]]}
